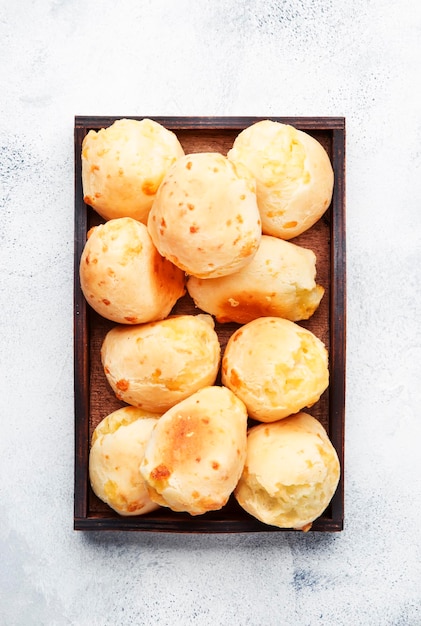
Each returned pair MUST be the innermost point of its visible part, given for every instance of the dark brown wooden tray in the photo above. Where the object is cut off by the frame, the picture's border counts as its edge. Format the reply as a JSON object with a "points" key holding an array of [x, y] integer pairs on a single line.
{"points": [[94, 399]]}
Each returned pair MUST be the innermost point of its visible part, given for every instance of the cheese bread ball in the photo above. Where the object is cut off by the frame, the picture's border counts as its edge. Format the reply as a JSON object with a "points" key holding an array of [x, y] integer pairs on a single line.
{"points": [[279, 281], [291, 472], [124, 164], [196, 453], [154, 366], [123, 276], [293, 173], [118, 446], [204, 218], [276, 367]]}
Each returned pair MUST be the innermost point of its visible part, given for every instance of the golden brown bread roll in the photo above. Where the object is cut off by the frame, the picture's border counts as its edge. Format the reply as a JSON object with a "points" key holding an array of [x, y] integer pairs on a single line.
{"points": [[124, 164], [196, 453], [154, 366], [275, 367], [204, 218], [279, 281], [123, 276], [293, 173], [290, 474], [118, 446]]}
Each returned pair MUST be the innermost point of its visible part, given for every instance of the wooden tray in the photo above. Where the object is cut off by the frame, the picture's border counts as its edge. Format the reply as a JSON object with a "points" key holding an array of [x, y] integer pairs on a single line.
{"points": [[94, 398]]}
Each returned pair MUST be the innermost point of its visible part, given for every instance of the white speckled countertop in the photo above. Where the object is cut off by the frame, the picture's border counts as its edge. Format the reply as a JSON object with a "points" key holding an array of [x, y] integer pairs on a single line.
{"points": [[355, 59]]}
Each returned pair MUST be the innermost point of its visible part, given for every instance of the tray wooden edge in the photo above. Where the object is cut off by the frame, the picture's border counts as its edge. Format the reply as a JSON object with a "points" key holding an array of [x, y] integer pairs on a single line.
{"points": [[201, 123], [337, 387], [334, 523], [81, 352], [201, 527]]}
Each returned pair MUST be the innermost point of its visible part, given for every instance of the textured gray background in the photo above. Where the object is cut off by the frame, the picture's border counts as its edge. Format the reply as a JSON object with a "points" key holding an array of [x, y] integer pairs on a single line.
{"points": [[359, 59]]}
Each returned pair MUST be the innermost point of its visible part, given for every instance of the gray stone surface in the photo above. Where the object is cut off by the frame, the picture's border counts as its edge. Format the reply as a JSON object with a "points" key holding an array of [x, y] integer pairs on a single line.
{"points": [[358, 59]]}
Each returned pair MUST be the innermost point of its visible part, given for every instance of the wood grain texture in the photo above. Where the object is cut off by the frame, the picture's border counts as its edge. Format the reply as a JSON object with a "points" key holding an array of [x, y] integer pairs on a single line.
{"points": [[94, 399]]}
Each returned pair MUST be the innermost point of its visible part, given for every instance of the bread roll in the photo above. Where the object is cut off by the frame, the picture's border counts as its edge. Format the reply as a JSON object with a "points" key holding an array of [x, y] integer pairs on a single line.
{"points": [[204, 218], [154, 366], [123, 276], [293, 173], [276, 367], [279, 281], [118, 446], [196, 454], [124, 164], [290, 474]]}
